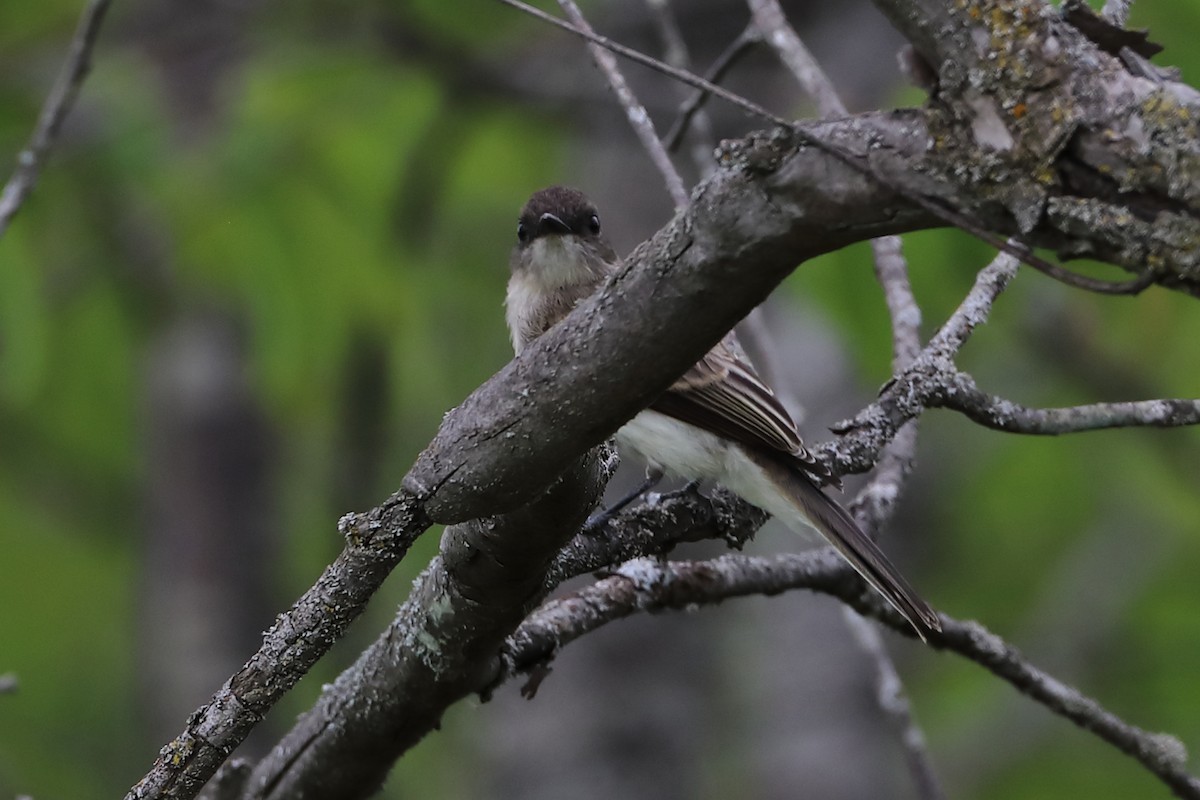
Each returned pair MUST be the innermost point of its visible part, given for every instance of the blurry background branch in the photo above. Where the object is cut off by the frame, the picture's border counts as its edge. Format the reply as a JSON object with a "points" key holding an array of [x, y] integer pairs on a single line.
{"points": [[635, 112], [58, 105], [745, 40]]}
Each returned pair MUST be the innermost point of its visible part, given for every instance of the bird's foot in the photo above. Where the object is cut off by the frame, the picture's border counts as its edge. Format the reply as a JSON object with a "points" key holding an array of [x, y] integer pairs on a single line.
{"points": [[599, 519]]}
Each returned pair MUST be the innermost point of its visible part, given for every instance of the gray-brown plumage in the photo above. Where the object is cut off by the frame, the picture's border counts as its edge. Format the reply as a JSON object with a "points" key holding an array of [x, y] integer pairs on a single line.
{"points": [[560, 258], [720, 421]]}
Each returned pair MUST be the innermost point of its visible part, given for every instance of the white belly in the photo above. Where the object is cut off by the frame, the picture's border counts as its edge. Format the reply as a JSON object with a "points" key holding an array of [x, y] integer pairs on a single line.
{"points": [[689, 452], [677, 447]]}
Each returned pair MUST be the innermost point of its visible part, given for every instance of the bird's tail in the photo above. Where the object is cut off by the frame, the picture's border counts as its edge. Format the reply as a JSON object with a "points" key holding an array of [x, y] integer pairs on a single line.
{"points": [[800, 501]]}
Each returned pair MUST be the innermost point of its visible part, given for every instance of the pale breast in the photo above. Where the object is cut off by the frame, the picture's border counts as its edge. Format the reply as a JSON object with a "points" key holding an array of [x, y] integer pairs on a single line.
{"points": [[674, 446], [530, 310]]}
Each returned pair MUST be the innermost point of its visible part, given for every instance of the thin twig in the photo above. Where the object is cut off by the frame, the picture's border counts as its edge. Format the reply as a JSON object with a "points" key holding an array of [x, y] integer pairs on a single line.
{"points": [[771, 22], [890, 694], [906, 395], [891, 270], [675, 51], [748, 38], [975, 308], [682, 75], [877, 502], [58, 105], [635, 112], [874, 506], [1132, 286], [961, 394], [1017, 250]]}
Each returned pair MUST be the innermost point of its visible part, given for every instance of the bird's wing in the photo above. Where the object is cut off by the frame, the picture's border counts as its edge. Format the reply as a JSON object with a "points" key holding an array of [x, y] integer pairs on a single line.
{"points": [[722, 394]]}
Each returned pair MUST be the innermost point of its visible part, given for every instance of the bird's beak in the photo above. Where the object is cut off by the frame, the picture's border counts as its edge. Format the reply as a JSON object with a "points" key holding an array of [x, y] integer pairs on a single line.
{"points": [[549, 223]]}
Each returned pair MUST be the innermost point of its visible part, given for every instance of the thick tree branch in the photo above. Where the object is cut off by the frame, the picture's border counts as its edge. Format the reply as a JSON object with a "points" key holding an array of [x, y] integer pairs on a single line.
{"points": [[772, 204], [515, 434], [58, 105], [443, 645], [375, 543], [1056, 147]]}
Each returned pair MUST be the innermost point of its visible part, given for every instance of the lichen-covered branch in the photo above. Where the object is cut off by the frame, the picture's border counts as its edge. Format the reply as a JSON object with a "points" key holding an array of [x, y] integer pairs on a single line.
{"points": [[647, 585], [1005, 415], [1094, 160], [656, 526], [443, 645], [375, 543]]}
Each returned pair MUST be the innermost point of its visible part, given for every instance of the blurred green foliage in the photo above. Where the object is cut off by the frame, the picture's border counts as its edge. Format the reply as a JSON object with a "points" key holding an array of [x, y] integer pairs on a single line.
{"points": [[343, 195]]}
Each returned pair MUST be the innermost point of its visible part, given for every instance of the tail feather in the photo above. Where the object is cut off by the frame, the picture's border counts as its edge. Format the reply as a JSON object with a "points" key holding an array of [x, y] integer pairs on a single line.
{"points": [[836, 525]]}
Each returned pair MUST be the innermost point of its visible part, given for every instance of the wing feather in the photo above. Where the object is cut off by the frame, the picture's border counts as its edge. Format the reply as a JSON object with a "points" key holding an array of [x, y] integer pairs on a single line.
{"points": [[722, 394]]}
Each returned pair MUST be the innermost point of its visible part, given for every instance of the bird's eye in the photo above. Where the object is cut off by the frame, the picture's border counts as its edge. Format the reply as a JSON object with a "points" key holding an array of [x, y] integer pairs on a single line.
{"points": [[594, 224], [522, 232]]}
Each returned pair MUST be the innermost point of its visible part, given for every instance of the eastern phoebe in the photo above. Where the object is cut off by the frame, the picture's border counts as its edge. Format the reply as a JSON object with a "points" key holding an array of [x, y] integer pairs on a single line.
{"points": [[719, 422]]}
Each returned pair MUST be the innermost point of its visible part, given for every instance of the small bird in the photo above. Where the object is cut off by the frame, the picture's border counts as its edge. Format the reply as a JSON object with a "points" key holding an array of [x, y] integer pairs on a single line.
{"points": [[719, 422]]}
